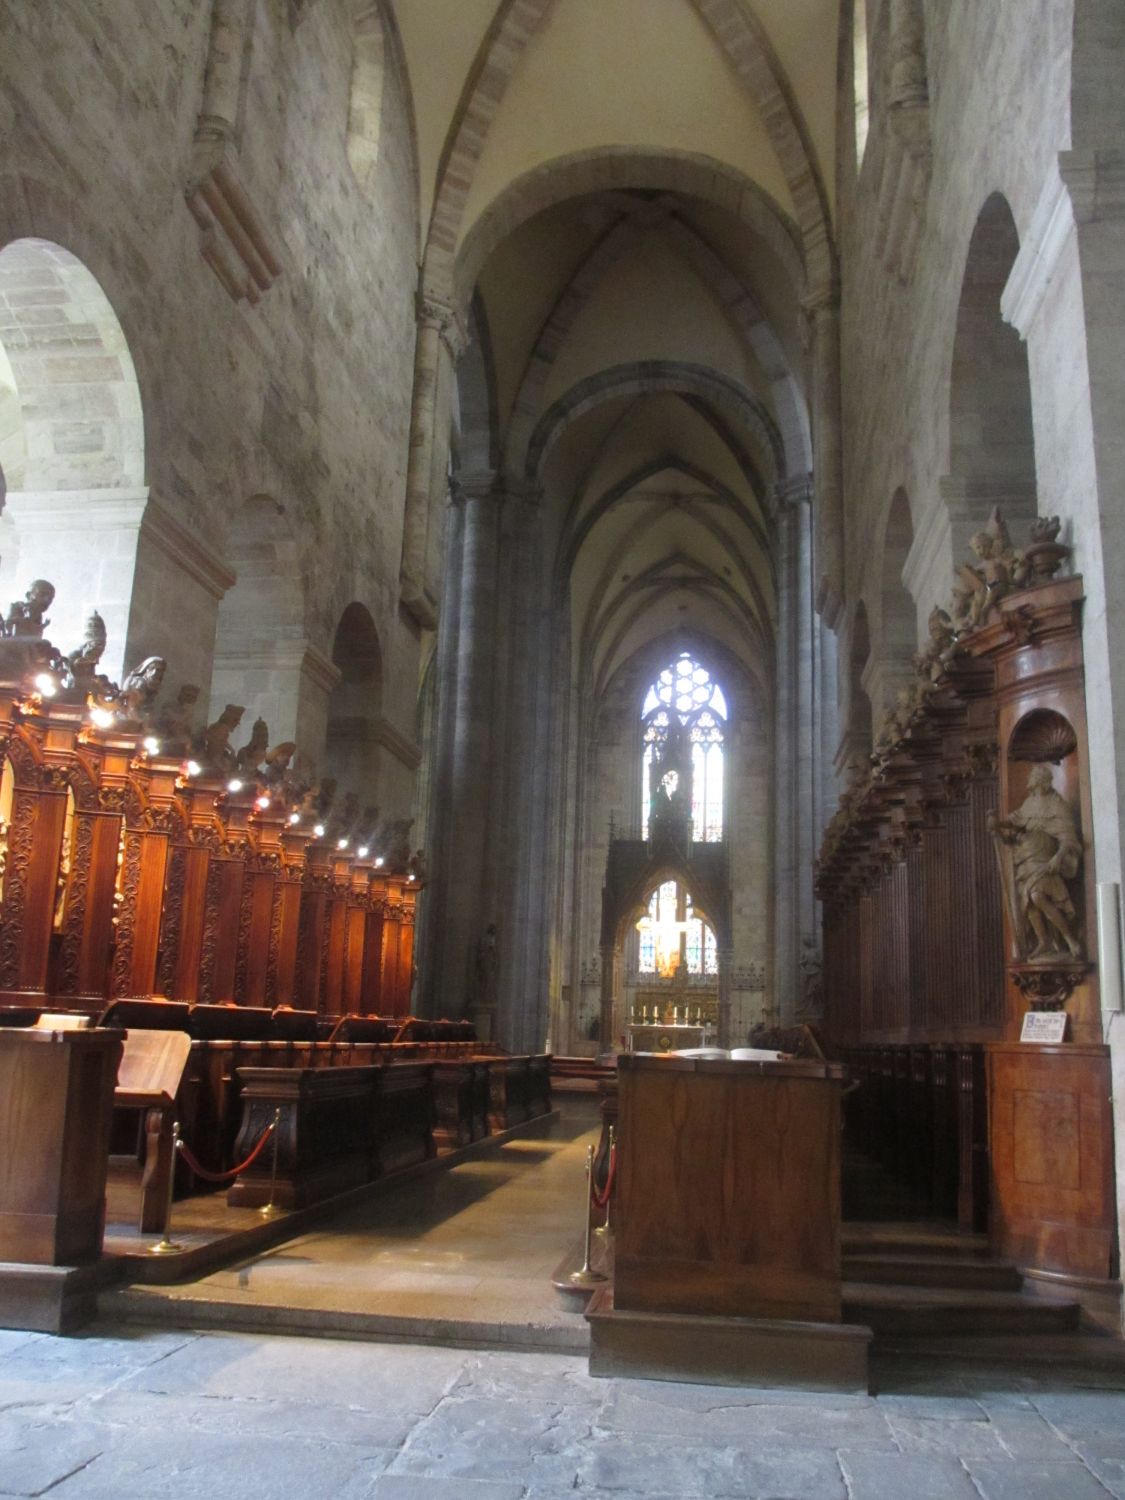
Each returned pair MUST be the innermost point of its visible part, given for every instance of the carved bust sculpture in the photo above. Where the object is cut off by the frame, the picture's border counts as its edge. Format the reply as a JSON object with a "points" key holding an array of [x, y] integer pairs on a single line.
{"points": [[139, 690], [250, 757], [1046, 853], [26, 616], [176, 721], [216, 746]]}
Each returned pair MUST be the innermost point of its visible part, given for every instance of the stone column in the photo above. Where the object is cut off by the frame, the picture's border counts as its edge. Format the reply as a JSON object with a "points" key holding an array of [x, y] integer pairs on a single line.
{"points": [[519, 864], [797, 745], [464, 810], [822, 309], [439, 343]]}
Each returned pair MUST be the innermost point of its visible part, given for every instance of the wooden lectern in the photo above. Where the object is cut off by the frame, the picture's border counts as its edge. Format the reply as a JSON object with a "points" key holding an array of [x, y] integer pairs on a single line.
{"points": [[56, 1102], [729, 1188]]}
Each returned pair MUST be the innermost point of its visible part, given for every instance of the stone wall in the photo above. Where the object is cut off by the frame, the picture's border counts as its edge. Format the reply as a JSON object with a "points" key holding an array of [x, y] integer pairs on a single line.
{"points": [[303, 398]]}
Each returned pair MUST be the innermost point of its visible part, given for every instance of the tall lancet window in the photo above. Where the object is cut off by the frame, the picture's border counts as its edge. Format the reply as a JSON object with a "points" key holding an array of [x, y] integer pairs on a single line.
{"points": [[686, 688]]}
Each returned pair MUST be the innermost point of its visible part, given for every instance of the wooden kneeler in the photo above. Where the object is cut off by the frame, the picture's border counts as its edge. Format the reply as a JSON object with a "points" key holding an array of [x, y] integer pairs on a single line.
{"points": [[152, 1064]]}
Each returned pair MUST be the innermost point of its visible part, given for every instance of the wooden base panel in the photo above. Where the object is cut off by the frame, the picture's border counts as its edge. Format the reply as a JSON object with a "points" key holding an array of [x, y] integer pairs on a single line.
{"points": [[49, 1299], [701, 1350]]}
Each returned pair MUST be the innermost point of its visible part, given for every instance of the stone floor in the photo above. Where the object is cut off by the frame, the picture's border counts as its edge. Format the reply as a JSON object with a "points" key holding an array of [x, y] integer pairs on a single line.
{"points": [[464, 1255], [177, 1415]]}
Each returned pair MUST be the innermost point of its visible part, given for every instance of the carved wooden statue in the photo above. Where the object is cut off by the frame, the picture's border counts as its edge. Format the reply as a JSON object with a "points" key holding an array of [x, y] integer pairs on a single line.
{"points": [[215, 746], [250, 757], [1046, 852], [175, 724], [26, 616], [138, 691]]}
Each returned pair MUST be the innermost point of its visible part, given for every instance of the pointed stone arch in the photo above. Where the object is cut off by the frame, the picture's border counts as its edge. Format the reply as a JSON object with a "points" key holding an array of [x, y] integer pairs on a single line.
{"points": [[727, 396], [748, 52]]}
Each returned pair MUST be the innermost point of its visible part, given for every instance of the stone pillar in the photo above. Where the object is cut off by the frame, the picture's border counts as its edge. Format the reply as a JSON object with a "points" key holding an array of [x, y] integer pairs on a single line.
{"points": [[796, 761], [519, 865], [909, 89], [439, 343], [822, 309], [611, 988], [464, 811]]}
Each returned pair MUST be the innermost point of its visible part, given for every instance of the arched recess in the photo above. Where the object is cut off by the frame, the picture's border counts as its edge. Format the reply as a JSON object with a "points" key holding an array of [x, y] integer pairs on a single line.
{"points": [[355, 707], [892, 664], [365, 99], [263, 658], [991, 432], [71, 444]]}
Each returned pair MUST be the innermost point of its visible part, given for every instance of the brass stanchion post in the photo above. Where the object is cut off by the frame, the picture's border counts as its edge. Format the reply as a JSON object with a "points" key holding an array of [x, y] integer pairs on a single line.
{"points": [[587, 1276], [166, 1246], [604, 1231], [270, 1209]]}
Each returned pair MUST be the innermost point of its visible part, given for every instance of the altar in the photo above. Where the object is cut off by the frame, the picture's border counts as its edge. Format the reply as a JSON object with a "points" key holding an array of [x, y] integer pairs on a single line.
{"points": [[650, 1036]]}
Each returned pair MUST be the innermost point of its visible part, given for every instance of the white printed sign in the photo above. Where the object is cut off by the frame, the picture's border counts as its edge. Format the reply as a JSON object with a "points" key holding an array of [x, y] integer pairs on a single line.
{"points": [[1044, 1026]]}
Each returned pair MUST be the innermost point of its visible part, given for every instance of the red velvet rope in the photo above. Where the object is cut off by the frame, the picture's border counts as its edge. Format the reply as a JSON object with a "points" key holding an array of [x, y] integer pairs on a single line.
{"points": [[200, 1171], [600, 1200]]}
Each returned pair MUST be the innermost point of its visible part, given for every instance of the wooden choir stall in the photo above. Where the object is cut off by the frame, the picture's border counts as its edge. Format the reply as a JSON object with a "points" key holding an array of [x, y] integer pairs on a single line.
{"points": [[957, 882], [156, 880]]}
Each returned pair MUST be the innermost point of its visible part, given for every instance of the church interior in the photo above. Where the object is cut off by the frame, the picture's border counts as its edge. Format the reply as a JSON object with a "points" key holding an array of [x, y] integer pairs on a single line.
{"points": [[561, 692]]}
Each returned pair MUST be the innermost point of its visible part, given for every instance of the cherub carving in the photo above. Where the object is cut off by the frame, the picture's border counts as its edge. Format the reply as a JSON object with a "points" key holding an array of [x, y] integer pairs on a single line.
{"points": [[26, 616], [1001, 570], [930, 662]]}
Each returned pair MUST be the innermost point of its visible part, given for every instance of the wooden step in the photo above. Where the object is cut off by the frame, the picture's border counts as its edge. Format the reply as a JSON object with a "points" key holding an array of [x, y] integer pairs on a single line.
{"points": [[874, 1237], [912, 1311], [956, 1272]]}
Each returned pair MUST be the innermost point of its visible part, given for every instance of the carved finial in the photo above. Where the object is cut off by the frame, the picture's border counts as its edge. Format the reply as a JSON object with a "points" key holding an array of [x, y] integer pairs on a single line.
{"points": [[250, 757], [137, 694]]}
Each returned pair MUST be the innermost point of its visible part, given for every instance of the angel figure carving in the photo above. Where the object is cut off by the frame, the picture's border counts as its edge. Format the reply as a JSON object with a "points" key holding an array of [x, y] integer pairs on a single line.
{"points": [[1001, 569]]}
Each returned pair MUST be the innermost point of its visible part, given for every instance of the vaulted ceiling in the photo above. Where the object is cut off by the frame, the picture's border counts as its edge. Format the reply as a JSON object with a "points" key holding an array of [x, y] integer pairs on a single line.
{"points": [[627, 201]]}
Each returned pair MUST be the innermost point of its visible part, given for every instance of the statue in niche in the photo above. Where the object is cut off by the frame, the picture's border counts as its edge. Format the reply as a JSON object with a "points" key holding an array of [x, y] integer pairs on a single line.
{"points": [[250, 757], [26, 617], [138, 692], [176, 721], [214, 744], [1040, 850]]}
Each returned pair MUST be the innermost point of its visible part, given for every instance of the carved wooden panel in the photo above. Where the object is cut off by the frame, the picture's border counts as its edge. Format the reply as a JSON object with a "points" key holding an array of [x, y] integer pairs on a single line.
{"points": [[1051, 1150]]}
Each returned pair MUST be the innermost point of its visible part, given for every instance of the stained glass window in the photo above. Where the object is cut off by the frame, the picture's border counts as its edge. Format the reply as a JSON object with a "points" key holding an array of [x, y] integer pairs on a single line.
{"points": [[686, 688]]}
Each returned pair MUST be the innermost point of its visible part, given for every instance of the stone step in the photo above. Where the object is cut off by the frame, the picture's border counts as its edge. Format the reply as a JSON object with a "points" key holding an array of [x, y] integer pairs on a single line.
{"points": [[957, 1272], [911, 1312]]}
